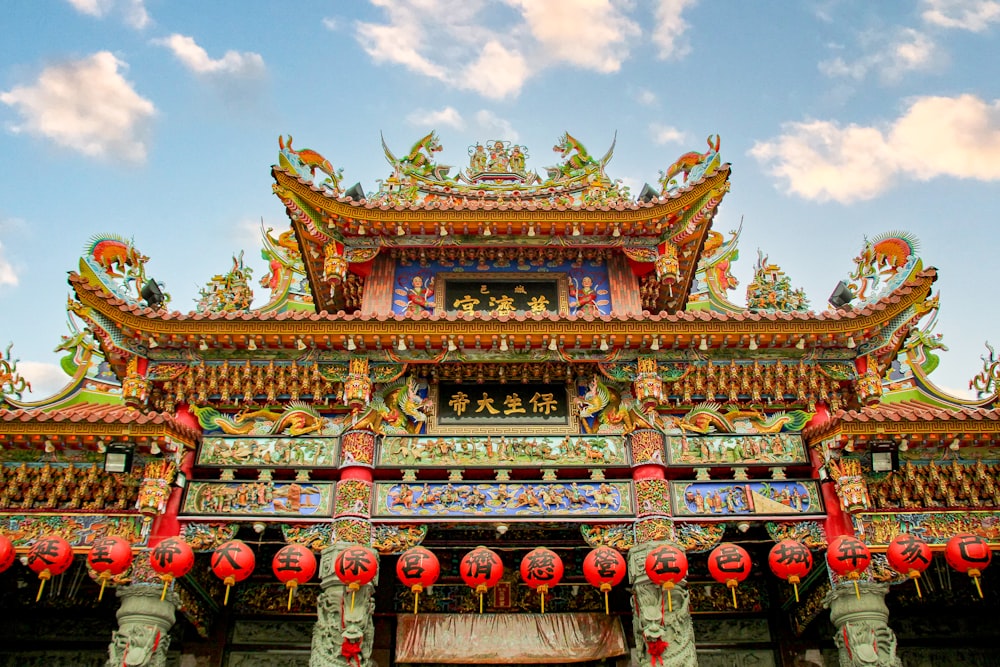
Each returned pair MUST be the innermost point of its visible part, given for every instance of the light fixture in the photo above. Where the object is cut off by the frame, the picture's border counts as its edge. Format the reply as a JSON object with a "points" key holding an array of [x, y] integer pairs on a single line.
{"points": [[604, 344], [252, 344], [118, 458], [300, 344], [904, 445], [884, 458], [154, 449], [402, 345], [350, 344], [487, 231], [576, 229], [849, 447], [49, 447], [152, 342], [451, 345], [443, 230], [850, 342], [655, 345], [801, 345], [954, 445], [202, 345], [503, 344], [753, 343], [703, 345], [553, 345], [361, 230], [400, 231], [531, 229]]}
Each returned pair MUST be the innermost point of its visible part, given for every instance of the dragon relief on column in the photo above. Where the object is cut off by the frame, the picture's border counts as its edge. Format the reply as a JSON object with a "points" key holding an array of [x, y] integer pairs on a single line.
{"points": [[398, 408]]}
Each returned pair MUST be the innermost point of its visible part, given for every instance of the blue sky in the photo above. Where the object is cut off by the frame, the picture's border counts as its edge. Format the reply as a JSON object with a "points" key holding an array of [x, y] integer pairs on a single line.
{"points": [[159, 120]]}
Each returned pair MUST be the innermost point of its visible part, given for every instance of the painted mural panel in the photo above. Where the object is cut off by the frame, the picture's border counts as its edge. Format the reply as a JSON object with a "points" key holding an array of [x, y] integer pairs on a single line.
{"points": [[499, 284], [261, 452], [80, 530], [259, 498], [736, 449], [509, 450], [878, 529], [732, 498], [510, 499]]}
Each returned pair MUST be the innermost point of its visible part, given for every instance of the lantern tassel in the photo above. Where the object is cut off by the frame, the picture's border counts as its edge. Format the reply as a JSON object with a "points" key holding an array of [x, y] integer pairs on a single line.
{"points": [[104, 582], [732, 583], [670, 598], [291, 590], [44, 575], [605, 587], [857, 591], [225, 601], [796, 587], [916, 582], [416, 601], [978, 587], [352, 600], [480, 602], [166, 582]]}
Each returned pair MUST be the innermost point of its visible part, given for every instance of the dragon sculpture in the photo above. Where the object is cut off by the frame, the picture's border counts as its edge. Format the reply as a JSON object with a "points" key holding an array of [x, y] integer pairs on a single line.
{"points": [[603, 409], [708, 418], [690, 165], [880, 260], [11, 382], [420, 160], [576, 159], [296, 419], [308, 159], [396, 409]]}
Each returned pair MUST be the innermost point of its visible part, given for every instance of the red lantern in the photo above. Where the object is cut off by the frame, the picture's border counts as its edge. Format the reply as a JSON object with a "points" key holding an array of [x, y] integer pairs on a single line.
{"points": [[666, 566], [48, 557], [792, 561], [604, 568], [232, 561], [171, 558], [418, 569], [356, 566], [909, 555], [542, 569], [849, 557], [481, 569], [6, 552], [294, 564], [970, 554], [109, 556], [729, 564]]}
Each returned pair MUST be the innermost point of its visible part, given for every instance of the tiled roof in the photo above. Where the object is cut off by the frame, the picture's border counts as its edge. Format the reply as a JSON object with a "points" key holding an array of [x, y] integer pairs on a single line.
{"points": [[907, 412], [82, 286], [92, 413]]}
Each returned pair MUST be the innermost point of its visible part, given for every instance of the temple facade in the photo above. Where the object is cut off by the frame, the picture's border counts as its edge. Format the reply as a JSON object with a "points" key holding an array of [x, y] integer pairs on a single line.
{"points": [[499, 414]]}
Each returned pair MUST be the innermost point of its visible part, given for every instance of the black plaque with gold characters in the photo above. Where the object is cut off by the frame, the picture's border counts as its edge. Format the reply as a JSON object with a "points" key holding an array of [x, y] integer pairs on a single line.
{"points": [[497, 404], [501, 295]]}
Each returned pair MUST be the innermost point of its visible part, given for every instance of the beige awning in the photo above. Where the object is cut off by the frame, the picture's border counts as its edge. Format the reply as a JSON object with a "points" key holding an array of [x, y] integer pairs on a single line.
{"points": [[508, 639]]}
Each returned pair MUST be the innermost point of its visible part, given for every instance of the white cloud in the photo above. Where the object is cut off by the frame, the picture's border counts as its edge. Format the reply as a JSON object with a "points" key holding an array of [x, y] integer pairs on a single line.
{"points": [[493, 50], [670, 26], [497, 73], [908, 50], [331, 23], [973, 15], [495, 127], [665, 134], [593, 34], [645, 97], [86, 105], [441, 117], [134, 11], [45, 379], [934, 137], [196, 59], [8, 276]]}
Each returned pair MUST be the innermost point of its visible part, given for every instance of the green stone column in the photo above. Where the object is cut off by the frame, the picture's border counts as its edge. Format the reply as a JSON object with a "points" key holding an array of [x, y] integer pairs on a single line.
{"points": [[652, 621], [144, 622], [344, 631], [863, 634]]}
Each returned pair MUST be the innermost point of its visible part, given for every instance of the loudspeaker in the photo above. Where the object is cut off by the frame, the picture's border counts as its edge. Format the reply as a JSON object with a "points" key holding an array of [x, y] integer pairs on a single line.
{"points": [[842, 295], [648, 194], [151, 294], [355, 192]]}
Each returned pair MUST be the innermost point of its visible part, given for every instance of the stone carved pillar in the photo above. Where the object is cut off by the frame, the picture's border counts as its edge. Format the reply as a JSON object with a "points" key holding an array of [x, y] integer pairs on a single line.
{"points": [[863, 634], [343, 636], [662, 637], [144, 623]]}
